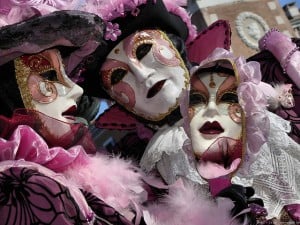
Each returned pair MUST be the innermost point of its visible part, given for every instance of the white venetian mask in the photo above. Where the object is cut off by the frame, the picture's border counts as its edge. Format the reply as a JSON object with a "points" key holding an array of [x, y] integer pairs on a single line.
{"points": [[145, 74], [215, 118], [45, 87]]}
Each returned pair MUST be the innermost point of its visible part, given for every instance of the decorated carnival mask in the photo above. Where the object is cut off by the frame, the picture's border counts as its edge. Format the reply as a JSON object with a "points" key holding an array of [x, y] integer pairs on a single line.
{"points": [[146, 74], [36, 90], [216, 119], [45, 87]]}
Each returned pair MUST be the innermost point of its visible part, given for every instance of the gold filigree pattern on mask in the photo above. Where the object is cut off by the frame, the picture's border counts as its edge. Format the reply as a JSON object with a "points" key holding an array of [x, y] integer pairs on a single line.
{"points": [[49, 60], [37, 63], [37, 76], [41, 90], [22, 73], [140, 39], [113, 75], [174, 61]]}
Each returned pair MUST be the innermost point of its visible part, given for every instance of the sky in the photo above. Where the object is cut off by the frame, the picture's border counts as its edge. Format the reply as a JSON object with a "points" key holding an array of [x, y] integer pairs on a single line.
{"points": [[283, 2]]}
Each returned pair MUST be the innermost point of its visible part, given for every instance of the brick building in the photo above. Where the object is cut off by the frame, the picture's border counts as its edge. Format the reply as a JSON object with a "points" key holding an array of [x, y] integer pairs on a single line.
{"points": [[249, 20]]}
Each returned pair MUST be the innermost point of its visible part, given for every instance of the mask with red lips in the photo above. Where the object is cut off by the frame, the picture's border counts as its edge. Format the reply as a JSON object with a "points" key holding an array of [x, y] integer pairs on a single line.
{"points": [[145, 74], [45, 87], [216, 121]]}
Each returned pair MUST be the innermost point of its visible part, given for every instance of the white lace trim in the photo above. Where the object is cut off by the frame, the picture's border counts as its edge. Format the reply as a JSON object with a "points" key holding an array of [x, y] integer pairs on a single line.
{"points": [[164, 152], [176, 165], [166, 140], [275, 175]]}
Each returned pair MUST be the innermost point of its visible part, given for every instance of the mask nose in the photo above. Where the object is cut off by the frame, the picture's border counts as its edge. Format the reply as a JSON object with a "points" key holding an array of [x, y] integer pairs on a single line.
{"points": [[141, 72], [212, 109], [76, 92]]}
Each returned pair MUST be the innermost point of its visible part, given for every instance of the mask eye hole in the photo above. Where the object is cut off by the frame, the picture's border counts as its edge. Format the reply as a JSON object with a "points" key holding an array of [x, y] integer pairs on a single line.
{"points": [[229, 97], [197, 98], [117, 75], [143, 50], [49, 75]]}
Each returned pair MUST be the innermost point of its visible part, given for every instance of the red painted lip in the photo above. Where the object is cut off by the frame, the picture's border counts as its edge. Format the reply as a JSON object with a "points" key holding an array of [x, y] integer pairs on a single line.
{"points": [[70, 111], [211, 128], [155, 88]]}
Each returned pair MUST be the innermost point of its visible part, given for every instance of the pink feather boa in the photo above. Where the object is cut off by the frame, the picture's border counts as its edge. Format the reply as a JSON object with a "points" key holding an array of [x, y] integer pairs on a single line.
{"points": [[187, 205], [113, 180]]}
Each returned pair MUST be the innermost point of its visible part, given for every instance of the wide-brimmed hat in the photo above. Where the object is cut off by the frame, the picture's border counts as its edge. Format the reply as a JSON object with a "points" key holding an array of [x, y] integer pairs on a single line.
{"points": [[69, 28]]}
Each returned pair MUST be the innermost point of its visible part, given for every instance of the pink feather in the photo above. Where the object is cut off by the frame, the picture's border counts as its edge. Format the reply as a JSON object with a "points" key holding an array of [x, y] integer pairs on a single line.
{"points": [[113, 180], [186, 205]]}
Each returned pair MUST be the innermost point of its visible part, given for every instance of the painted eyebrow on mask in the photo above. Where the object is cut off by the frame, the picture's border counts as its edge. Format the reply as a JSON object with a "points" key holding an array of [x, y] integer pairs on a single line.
{"points": [[228, 84], [197, 85]]}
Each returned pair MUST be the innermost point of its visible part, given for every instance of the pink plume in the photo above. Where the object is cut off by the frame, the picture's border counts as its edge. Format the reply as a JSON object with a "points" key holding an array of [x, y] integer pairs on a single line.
{"points": [[175, 7], [113, 180], [187, 205], [176, 2]]}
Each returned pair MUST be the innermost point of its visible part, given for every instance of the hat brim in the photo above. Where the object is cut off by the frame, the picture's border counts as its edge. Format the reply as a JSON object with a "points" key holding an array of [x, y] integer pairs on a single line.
{"points": [[217, 35], [61, 28]]}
